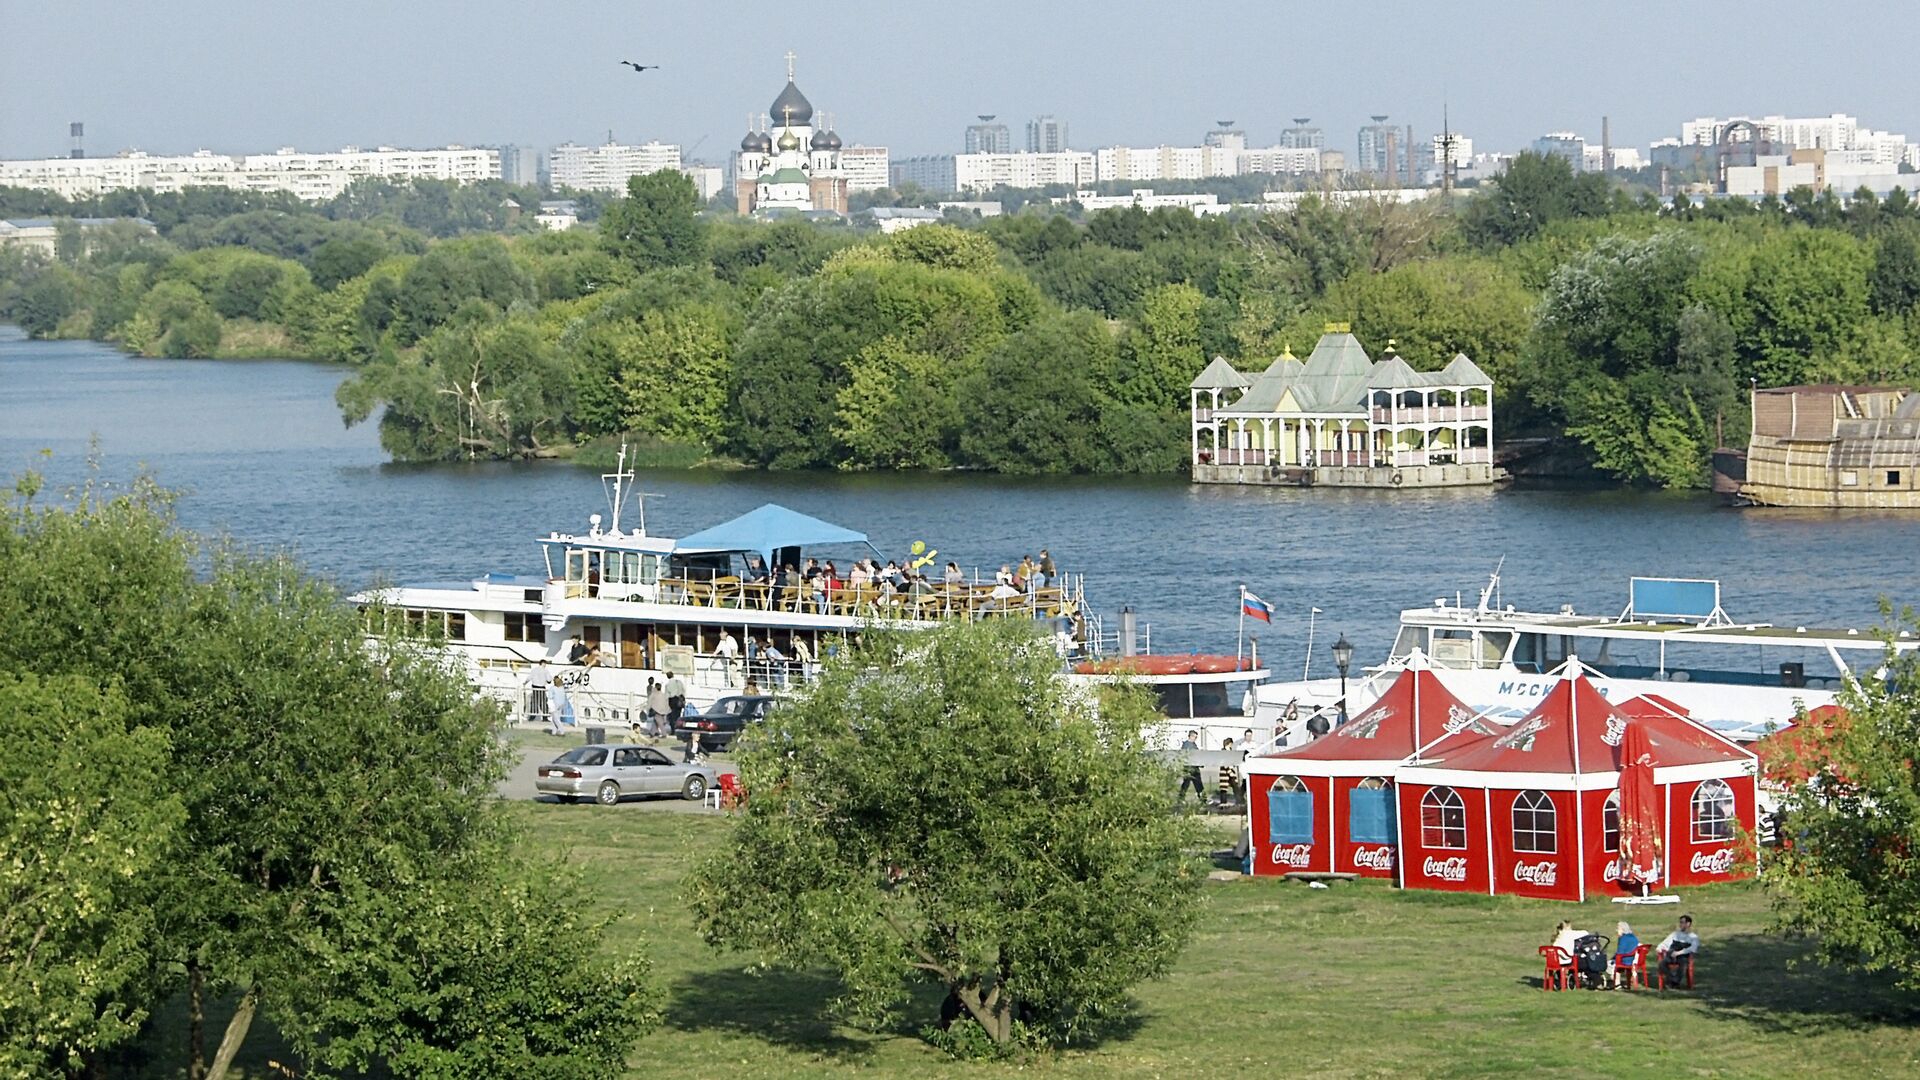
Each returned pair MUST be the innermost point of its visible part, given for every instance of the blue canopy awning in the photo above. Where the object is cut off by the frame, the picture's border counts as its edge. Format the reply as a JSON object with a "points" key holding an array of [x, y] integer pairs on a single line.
{"points": [[765, 531]]}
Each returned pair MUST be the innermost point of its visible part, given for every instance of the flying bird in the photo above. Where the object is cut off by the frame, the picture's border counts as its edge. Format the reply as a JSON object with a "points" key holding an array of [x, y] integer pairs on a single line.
{"points": [[641, 67]]}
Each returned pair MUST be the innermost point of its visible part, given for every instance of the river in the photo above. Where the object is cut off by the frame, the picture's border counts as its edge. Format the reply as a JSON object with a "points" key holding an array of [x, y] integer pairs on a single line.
{"points": [[258, 451]]}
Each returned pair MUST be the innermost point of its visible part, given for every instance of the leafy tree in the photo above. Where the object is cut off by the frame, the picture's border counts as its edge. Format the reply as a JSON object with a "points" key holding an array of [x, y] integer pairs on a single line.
{"points": [[1164, 351], [314, 826], [1893, 284], [898, 409], [1034, 404], [946, 247], [674, 375], [88, 820], [350, 252], [46, 300], [1852, 819], [453, 274], [657, 224], [1535, 190], [1037, 915], [477, 388], [1808, 296]]}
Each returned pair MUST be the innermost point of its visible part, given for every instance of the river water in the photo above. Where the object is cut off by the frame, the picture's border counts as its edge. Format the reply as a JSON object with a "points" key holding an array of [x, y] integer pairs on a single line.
{"points": [[259, 452]]}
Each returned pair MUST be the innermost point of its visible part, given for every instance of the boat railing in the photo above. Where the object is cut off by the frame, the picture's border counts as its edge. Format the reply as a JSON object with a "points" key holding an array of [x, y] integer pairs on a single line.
{"points": [[928, 602]]}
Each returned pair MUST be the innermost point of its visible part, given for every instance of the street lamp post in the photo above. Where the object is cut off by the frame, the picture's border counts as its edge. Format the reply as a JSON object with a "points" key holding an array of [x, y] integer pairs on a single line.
{"points": [[1342, 658]]}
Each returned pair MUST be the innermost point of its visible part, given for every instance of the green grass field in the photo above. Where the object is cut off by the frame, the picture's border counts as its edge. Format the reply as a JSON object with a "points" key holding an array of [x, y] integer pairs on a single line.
{"points": [[1356, 980]]}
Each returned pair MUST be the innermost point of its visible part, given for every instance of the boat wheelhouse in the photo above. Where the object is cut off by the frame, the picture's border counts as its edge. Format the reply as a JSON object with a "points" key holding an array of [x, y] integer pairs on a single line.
{"points": [[1673, 639]]}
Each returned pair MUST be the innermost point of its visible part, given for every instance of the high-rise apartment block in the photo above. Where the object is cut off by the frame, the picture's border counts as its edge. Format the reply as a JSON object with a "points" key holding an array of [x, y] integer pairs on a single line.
{"points": [[1046, 135], [1302, 137], [607, 168], [987, 137], [311, 176]]}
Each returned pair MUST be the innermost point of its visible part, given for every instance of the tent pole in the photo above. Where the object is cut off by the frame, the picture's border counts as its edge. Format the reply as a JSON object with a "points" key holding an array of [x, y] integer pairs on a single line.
{"points": [[1399, 846], [1493, 872]]}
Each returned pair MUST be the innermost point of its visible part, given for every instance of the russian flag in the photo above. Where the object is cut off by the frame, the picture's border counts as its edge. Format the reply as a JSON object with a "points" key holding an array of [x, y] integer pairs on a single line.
{"points": [[1254, 607]]}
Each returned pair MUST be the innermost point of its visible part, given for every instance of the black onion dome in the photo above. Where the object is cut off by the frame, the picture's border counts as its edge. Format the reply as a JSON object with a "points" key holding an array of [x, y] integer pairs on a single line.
{"points": [[821, 141], [756, 141], [833, 140], [791, 107]]}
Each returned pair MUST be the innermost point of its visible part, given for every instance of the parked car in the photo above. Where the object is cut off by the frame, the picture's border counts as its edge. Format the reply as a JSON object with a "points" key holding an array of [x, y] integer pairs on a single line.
{"points": [[615, 771], [720, 723]]}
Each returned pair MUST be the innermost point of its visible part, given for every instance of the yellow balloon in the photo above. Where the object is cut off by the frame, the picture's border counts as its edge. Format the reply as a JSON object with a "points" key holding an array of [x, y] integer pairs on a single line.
{"points": [[919, 546]]}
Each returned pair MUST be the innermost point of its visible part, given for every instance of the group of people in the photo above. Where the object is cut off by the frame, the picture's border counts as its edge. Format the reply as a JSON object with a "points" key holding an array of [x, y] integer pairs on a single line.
{"points": [[1028, 575], [1674, 952], [1231, 786], [763, 662]]}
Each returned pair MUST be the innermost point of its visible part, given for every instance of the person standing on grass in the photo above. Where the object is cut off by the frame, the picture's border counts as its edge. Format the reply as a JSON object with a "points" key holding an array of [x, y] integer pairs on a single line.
{"points": [[676, 700], [1192, 743], [1229, 776]]}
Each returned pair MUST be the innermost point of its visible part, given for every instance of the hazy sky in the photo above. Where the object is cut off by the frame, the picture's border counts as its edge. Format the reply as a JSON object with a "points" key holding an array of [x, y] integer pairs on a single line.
{"points": [[251, 75]]}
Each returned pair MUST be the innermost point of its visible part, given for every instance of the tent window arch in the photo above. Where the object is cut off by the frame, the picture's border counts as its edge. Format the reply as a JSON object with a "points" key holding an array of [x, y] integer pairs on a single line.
{"points": [[1712, 816], [1370, 812], [1534, 820], [1443, 820], [1289, 811], [1610, 823]]}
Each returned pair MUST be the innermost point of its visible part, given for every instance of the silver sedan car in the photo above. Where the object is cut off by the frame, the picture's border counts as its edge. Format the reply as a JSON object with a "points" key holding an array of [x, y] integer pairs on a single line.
{"points": [[610, 773]]}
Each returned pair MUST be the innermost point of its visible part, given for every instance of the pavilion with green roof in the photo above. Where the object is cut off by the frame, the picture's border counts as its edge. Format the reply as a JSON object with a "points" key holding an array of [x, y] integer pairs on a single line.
{"points": [[1342, 418]]}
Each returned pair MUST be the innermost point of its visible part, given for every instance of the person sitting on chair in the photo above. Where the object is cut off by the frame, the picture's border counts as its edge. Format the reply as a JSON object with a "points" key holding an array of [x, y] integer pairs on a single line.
{"points": [[1625, 944], [1564, 935], [1677, 950]]}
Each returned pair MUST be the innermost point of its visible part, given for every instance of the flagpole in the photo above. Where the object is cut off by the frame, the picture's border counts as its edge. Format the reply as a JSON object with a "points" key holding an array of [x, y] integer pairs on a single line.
{"points": [[1306, 671], [1240, 638]]}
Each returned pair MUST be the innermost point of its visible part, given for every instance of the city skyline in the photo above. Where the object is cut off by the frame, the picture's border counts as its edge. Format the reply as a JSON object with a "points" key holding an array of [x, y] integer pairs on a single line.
{"points": [[441, 73]]}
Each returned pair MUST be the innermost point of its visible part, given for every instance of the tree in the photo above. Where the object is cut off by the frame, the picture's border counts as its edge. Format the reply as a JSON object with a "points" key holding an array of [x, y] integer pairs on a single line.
{"points": [[1894, 282], [46, 300], [1034, 404], [453, 274], [1036, 914], [1534, 191], [314, 825], [87, 821], [1852, 822], [657, 224], [898, 409]]}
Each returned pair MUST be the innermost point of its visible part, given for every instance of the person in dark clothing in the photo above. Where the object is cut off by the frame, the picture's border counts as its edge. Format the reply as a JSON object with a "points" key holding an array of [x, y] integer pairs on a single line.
{"points": [[1192, 776]]}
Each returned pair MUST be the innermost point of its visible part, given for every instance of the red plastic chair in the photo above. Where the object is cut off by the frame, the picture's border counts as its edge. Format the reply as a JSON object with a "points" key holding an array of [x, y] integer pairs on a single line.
{"points": [[1662, 965], [731, 793], [1560, 973], [1635, 967]]}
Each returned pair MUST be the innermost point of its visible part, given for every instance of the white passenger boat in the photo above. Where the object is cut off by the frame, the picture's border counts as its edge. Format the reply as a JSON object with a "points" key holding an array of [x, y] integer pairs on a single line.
{"points": [[712, 608], [1673, 639]]}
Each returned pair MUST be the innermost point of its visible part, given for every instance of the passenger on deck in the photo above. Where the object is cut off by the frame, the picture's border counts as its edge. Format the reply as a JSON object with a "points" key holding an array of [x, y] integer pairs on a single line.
{"points": [[954, 576], [727, 649], [583, 654], [859, 577], [1048, 573], [1003, 576]]}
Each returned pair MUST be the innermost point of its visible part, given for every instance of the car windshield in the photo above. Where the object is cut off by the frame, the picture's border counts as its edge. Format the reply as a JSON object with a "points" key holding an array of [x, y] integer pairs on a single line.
{"points": [[732, 706], [583, 755]]}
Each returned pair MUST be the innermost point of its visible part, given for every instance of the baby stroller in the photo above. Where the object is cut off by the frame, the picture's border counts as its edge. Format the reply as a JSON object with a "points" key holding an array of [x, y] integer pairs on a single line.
{"points": [[1590, 959]]}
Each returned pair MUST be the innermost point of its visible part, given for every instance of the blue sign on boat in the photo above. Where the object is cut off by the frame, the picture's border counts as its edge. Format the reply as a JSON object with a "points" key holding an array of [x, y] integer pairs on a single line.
{"points": [[1673, 598]]}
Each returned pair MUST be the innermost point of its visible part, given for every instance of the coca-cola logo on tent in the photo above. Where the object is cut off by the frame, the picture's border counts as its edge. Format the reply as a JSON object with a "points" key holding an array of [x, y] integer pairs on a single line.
{"points": [[1453, 869], [1541, 874], [1611, 873], [1296, 855], [1379, 858], [1459, 718], [1616, 730], [1712, 862]]}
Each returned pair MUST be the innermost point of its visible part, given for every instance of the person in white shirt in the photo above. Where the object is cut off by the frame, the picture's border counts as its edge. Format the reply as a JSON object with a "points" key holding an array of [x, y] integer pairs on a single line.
{"points": [[1565, 935], [726, 650], [1677, 948], [539, 681]]}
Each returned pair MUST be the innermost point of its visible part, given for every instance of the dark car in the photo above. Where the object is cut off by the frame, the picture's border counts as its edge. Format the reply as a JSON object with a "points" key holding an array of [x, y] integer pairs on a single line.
{"points": [[720, 723]]}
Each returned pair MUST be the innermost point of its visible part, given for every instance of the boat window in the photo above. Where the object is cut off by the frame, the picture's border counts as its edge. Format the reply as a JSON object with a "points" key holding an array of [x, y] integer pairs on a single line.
{"points": [[1408, 641], [456, 626], [1175, 699], [1210, 699], [1493, 646], [1453, 647], [1529, 653], [525, 626], [576, 565]]}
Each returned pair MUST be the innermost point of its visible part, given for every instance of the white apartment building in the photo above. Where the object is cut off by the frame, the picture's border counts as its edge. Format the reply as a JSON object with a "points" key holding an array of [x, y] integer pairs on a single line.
{"points": [[867, 167], [307, 175], [1146, 199], [1282, 160], [708, 180], [607, 168], [983, 172], [1836, 132], [1625, 158], [1165, 162]]}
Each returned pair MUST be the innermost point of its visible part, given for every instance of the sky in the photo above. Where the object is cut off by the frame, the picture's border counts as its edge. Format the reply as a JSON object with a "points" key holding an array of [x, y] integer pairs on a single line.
{"points": [[243, 76]]}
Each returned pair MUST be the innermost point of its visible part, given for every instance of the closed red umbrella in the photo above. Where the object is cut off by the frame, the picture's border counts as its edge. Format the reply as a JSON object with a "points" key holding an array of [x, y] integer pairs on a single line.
{"points": [[1640, 853]]}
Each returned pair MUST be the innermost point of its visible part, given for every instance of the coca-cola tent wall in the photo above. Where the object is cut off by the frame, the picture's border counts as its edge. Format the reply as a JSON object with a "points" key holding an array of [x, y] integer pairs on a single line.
{"points": [[1532, 810], [1327, 805]]}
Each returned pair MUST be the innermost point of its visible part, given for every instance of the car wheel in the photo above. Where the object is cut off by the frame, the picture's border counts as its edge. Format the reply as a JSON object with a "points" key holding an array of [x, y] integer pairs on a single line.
{"points": [[695, 789], [609, 793]]}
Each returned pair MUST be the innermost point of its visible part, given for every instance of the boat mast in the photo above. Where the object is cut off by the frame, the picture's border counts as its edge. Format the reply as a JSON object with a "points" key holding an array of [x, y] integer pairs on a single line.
{"points": [[620, 475], [1493, 584]]}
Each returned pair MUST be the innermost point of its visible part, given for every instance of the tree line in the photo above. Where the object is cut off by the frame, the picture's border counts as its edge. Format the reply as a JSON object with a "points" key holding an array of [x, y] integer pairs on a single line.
{"points": [[1623, 327]]}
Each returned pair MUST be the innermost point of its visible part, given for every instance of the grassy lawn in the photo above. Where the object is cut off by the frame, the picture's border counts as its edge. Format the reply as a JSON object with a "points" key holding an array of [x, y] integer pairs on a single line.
{"points": [[1356, 980]]}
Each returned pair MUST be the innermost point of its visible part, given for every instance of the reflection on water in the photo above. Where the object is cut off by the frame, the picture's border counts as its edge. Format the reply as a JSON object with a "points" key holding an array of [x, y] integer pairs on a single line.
{"points": [[259, 449]]}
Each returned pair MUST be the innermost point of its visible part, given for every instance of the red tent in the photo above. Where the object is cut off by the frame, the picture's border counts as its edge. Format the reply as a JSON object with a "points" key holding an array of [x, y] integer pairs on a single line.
{"points": [[1327, 805], [1534, 810]]}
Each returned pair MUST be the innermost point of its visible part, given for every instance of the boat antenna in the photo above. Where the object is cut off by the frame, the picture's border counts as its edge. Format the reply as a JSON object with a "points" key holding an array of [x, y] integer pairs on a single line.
{"points": [[617, 491], [1487, 595]]}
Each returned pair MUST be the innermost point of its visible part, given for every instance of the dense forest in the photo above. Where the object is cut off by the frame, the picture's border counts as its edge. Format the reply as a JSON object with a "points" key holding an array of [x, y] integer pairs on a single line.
{"points": [[1039, 341]]}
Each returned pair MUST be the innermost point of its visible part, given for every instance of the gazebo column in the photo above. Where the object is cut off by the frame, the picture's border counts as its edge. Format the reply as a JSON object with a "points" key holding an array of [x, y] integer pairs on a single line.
{"points": [[1266, 439]]}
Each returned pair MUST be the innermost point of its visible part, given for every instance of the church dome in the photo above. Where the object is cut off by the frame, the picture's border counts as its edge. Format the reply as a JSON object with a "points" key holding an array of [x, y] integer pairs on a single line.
{"points": [[821, 141], [791, 108], [756, 141], [833, 140], [788, 140]]}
